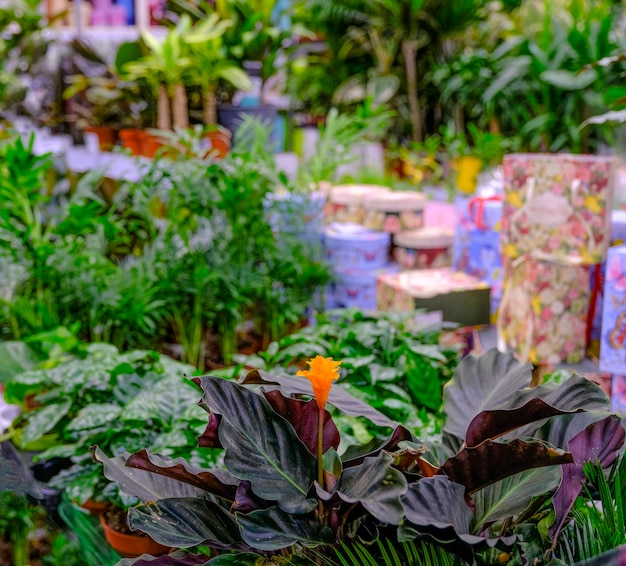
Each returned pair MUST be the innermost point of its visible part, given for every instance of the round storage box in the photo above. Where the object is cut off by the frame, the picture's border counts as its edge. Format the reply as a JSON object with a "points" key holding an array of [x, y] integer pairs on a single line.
{"points": [[345, 202], [357, 288], [423, 249], [618, 227], [351, 246], [395, 212]]}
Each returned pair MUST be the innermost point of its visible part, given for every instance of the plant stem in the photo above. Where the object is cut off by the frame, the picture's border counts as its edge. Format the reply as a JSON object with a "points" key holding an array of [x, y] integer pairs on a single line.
{"points": [[320, 465]]}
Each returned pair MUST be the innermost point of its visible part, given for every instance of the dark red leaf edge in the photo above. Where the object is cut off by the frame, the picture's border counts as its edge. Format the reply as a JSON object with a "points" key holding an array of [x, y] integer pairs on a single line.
{"points": [[303, 416], [479, 466], [492, 424], [218, 482]]}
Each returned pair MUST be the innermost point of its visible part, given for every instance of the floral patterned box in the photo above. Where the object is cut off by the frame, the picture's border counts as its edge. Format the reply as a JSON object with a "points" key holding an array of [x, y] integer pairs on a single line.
{"points": [[543, 311], [613, 336], [460, 297], [557, 207]]}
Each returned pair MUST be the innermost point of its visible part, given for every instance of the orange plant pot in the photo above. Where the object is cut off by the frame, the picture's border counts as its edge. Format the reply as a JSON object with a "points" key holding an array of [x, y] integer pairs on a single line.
{"points": [[150, 144], [131, 139], [131, 546], [95, 508], [219, 143], [107, 136]]}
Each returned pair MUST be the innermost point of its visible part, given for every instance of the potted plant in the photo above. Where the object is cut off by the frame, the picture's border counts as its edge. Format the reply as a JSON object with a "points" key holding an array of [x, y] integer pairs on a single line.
{"points": [[480, 492], [212, 64]]}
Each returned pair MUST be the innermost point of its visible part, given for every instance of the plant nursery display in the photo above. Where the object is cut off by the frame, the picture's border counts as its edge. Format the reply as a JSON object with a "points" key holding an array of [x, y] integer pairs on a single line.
{"points": [[502, 481]]}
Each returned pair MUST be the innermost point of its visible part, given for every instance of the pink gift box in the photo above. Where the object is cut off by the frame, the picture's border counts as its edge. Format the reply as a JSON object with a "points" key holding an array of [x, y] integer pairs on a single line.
{"points": [[543, 311], [557, 207]]}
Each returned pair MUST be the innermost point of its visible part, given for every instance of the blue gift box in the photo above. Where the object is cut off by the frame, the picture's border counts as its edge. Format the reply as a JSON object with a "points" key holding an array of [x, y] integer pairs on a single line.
{"points": [[477, 249], [613, 335]]}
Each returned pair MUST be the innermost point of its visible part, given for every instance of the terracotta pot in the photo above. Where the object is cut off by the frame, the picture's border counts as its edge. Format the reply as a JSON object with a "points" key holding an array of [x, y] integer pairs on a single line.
{"points": [[130, 138], [219, 141], [95, 508], [107, 136], [150, 143], [131, 546]]}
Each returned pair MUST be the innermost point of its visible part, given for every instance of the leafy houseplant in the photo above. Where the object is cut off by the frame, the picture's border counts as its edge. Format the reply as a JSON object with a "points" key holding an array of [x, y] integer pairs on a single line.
{"points": [[508, 452]]}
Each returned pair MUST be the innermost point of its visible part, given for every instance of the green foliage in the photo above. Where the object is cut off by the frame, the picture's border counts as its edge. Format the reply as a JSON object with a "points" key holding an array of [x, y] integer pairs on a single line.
{"points": [[119, 401], [179, 256]]}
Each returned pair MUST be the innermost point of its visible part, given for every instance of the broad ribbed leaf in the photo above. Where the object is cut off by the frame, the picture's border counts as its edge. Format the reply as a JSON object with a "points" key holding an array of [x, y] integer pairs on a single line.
{"points": [[437, 502], [95, 415], [599, 442], [355, 454], [141, 484], [489, 462], [44, 420], [509, 497], [260, 445], [218, 482], [185, 522], [273, 529], [575, 393], [492, 424], [210, 438], [303, 416], [481, 383], [377, 486], [338, 397]]}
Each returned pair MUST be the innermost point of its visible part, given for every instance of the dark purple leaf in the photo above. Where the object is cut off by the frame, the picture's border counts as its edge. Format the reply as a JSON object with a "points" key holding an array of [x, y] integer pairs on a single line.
{"points": [[478, 466], [210, 438], [599, 442], [377, 485], [260, 445], [246, 501], [273, 529], [186, 522], [303, 415], [354, 455], [218, 482], [492, 424], [481, 383]]}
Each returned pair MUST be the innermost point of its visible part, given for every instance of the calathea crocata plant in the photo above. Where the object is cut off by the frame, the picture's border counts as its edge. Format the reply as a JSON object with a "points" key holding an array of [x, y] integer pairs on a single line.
{"points": [[290, 494]]}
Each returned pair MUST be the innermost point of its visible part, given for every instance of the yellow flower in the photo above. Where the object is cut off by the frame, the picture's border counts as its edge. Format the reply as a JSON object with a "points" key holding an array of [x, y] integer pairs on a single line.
{"points": [[467, 168], [322, 373], [515, 199]]}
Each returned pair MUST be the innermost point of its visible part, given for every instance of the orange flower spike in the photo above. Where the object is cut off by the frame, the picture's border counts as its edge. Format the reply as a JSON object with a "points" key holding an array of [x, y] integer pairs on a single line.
{"points": [[322, 373]]}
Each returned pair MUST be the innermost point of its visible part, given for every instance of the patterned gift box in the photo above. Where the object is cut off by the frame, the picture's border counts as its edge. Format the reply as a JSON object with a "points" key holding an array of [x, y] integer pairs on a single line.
{"points": [[613, 337], [618, 393], [557, 207], [543, 311], [460, 297]]}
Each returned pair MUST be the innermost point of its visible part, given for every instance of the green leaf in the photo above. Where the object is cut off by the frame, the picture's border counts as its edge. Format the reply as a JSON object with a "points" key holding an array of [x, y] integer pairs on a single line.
{"points": [[273, 529], [567, 80], [260, 445], [44, 420], [509, 497], [185, 522], [16, 357], [94, 415], [481, 383]]}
